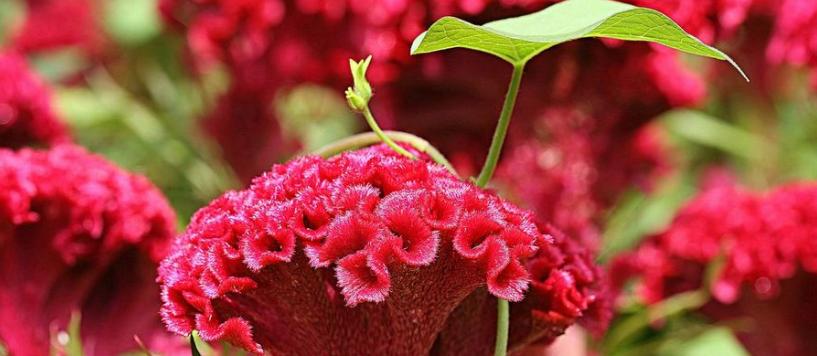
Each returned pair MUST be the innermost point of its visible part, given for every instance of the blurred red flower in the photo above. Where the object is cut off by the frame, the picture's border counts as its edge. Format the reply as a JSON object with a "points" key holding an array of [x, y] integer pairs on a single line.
{"points": [[370, 252], [78, 234], [59, 24], [272, 44], [26, 115], [758, 241]]}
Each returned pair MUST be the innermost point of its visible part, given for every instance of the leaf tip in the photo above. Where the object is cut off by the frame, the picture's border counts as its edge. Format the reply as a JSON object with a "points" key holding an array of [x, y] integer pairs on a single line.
{"points": [[415, 45]]}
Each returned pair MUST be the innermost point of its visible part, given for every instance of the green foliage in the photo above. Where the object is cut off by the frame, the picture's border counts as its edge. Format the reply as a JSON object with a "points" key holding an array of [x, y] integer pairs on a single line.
{"points": [[705, 130], [519, 39], [10, 15], [715, 341], [639, 214], [131, 22], [58, 65], [315, 116]]}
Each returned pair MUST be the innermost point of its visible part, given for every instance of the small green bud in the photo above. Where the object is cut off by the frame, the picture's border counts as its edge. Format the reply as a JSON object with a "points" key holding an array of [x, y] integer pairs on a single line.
{"points": [[355, 101], [361, 85]]}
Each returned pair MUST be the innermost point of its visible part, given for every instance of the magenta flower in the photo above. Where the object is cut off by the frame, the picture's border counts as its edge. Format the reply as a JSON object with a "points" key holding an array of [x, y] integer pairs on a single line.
{"points": [[765, 243], [266, 47], [763, 239], [794, 40], [580, 169], [26, 115], [57, 24], [78, 234], [368, 252]]}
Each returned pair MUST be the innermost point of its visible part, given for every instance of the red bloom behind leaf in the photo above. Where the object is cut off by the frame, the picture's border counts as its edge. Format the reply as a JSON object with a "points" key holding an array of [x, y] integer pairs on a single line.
{"points": [[78, 234], [366, 252], [26, 115]]}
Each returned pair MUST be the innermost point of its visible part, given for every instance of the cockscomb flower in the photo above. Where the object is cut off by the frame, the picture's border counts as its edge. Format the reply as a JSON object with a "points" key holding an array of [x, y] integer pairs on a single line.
{"points": [[79, 235], [26, 114], [762, 238], [794, 40], [365, 252], [59, 24], [762, 256], [265, 47]]}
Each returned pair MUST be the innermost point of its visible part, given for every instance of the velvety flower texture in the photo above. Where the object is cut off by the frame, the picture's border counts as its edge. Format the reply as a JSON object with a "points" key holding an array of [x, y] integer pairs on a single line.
{"points": [[762, 238], [368, 252], [26, 115], [78, 234], [764, 243]]}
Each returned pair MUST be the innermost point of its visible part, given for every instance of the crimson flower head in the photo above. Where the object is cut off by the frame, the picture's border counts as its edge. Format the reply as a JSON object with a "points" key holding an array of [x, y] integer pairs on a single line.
{"points": [[763, 253], [762, 238], [79, 235], [59, 24], [366, 252], [26, 115]]}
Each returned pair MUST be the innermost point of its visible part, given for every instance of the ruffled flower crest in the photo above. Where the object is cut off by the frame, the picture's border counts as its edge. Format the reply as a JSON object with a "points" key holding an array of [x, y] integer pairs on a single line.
{"points": [[367, 251]]}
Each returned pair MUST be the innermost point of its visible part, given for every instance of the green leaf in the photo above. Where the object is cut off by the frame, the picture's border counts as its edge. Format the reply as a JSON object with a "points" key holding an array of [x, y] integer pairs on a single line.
{"points": [[703, 129], [132, 22], [638, 215], [519, 39], [716, 341]]}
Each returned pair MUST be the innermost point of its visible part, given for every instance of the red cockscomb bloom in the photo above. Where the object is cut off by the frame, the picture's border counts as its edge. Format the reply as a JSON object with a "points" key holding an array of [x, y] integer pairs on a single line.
{"points": [[267, 45], [58, 24], [580, 169], [78, 234], [794, 40], [26, 114], [765, 243], [366, 252], [762, 238]]}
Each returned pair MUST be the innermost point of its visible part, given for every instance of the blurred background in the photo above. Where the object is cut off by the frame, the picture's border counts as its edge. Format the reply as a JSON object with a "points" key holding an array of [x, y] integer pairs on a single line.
{"points": [[609, 139]]}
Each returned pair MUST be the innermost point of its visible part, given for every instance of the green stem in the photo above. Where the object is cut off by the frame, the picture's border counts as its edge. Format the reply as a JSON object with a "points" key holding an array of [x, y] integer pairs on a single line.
{"points": [[371, 138], [502, 316], [388, 141], [501, 127], [488, 168]]}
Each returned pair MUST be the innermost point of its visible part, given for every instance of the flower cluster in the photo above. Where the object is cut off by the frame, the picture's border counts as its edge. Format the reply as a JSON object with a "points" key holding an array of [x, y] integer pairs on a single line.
{"points": [[759, 238], [26, 115], [78, 234], [265, 46], [794, 40], [580, 170], [742, 240], [58, 24], [356, 252]]}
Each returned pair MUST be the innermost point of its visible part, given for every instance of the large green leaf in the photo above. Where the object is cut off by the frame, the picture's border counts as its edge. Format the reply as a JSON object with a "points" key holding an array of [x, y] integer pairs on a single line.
{"points": [[519, 39], [716, 341]]}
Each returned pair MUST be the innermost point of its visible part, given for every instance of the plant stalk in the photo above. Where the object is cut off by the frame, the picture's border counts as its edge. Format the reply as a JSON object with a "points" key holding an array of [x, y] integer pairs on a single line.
{"points": [[488, 168], [502, 317], [388, 141], [501, 131], [371, 138]]}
